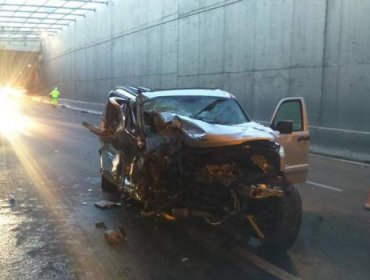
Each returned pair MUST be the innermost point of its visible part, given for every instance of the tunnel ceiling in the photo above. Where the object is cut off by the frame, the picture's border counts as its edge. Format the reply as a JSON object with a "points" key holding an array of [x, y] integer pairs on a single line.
{"points": [[33, 20]]}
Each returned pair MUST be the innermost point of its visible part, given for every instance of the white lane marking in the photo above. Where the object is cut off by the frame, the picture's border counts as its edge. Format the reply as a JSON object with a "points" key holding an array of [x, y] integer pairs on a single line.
{"points": [[265, 265], [296, 166], [82, 109], [324, 186], [341, 160]]}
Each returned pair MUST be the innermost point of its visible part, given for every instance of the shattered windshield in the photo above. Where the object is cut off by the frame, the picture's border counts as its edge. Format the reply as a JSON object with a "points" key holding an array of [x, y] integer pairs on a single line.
{"points": [[214, 110]]}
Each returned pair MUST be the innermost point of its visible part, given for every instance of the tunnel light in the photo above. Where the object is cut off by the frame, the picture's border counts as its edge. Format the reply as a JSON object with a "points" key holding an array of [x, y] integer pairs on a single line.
{"points": [[44, 35]]}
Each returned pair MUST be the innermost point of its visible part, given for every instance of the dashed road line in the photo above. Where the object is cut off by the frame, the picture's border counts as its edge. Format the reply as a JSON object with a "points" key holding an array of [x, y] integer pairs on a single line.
{"points": [[341, 160], [323, 186]]}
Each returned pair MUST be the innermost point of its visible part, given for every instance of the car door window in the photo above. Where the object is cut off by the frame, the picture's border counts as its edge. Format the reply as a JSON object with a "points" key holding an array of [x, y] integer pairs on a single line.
{"points": [[129, 123], [290, 110], [123, 123]]}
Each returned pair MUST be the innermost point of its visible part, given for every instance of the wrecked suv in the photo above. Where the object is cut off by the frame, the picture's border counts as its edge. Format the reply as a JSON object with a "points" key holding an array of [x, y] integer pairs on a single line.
{"points": [[195, 153]]}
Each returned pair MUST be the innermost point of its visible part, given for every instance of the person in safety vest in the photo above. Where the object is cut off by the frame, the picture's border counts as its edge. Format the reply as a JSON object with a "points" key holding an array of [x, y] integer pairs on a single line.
{"points": [[54, 95]]}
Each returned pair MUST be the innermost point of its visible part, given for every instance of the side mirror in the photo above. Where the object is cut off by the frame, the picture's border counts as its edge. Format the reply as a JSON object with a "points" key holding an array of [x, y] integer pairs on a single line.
{"points": [[284, 127]]}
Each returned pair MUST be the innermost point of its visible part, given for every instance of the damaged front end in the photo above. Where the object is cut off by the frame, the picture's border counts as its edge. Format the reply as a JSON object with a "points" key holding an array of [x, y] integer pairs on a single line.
{"points": [[180, 175], [187, 165]]}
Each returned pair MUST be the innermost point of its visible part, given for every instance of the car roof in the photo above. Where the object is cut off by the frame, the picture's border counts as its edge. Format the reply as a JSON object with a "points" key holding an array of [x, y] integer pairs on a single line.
{"points": [[187, 92], [131, 92]]}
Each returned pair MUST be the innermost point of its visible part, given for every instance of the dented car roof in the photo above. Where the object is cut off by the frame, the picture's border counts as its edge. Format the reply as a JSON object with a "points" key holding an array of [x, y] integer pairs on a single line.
{"points": [[202, 134], [188, 92], [130, 92]]}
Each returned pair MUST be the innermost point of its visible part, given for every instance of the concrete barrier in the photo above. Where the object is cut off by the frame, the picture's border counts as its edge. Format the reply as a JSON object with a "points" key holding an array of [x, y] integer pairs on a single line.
{"points": [[260, 51]]}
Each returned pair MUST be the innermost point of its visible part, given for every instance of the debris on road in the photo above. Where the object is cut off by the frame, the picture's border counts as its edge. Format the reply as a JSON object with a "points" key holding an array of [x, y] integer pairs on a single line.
{"points": [[367, 203], [84, 203], [100, 225], [184, 259], [11, 200], [89, 190], [148, 214], [105, 204], [115, 236]]}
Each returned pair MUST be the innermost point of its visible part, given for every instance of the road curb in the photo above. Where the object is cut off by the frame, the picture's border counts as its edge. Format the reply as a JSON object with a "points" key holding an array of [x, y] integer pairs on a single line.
{"points": [[77, 105]]}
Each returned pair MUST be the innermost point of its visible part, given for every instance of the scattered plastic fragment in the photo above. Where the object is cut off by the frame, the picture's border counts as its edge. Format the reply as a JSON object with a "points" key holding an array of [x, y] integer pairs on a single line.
{"points": [[367, 203], [105, 204], [115, 236], [100, 225], [184, 259], [84, 203], [11, 200], [147, 214], [89, 190]]}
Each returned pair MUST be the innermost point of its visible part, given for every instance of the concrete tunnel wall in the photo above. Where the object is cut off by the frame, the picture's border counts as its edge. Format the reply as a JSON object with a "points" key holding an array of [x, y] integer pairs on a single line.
{"points": [[259, 50]]}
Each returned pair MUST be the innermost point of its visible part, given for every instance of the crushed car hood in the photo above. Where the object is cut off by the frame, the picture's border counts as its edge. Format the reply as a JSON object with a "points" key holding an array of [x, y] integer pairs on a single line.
{"points": [[202, 134]]}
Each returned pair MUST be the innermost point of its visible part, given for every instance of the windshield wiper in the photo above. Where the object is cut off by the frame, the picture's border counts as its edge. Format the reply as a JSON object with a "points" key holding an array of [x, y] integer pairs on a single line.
{"points": [[209, 107]]}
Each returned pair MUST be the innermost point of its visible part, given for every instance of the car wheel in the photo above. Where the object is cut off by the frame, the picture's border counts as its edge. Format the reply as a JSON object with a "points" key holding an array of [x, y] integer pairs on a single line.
{"points": [[284, 228], [107, 186]]}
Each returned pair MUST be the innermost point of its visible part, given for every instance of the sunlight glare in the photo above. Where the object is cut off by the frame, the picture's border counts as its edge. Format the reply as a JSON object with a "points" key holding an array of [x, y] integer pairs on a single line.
{"points": [[12, 121]]}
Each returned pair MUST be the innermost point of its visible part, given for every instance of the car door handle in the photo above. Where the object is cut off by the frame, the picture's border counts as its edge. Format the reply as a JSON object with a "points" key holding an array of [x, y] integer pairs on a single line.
{"points": [[303, 138]]}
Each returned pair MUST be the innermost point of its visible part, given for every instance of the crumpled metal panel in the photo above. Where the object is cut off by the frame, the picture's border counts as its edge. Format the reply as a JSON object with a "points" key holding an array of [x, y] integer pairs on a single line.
{"points": [[202, 134]]}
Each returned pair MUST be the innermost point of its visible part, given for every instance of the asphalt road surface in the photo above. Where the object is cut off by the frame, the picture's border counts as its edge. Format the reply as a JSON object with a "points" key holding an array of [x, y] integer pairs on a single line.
{"points": [[49, 232]]}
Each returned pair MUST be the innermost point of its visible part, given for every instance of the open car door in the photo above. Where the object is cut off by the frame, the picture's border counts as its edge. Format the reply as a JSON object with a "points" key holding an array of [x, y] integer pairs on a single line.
{"points": [[290, 119]]}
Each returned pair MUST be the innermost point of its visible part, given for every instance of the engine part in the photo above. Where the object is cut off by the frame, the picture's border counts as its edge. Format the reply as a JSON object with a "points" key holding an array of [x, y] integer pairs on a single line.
{"points": [[250, 219], [261, 191]]}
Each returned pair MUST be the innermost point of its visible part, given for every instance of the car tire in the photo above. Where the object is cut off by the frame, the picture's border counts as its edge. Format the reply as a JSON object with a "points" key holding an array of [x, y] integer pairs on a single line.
{"points": [[288, 221], [107, 186]]}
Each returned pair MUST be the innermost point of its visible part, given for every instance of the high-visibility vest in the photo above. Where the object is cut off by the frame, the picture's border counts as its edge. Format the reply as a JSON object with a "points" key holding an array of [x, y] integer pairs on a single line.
{"points": [[55, 93]]}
